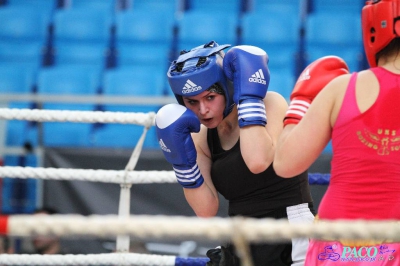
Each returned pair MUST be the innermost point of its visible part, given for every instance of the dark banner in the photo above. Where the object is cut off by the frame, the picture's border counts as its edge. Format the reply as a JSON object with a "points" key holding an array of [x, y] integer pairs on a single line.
{"points": [[86, 198]]}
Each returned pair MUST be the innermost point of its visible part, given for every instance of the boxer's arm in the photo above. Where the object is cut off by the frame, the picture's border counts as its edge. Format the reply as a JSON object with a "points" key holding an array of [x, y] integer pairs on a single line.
{"points": [[258, 144], [204, 201], [247, 67], [299, 146]]}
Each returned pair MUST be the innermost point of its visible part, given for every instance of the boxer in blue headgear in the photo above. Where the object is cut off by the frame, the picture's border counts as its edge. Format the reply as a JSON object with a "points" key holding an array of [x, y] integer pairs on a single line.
{"points": [[218, 141], [198, 70]]}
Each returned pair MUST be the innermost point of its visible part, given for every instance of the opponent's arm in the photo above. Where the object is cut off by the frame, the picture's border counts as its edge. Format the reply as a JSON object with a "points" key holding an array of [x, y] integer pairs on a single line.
{"points": [[305, 136], [247, 67], [174, 125]]}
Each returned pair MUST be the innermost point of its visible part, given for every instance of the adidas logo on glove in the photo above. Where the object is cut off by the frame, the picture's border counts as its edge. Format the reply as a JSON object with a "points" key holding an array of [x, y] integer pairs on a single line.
{"points": [[258, 77], [190, 87], [305, 75], [163, 146]]}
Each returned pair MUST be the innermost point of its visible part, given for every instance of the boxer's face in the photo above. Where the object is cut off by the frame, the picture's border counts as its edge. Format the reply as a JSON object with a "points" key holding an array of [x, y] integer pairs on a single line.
{"points": [[208, 106]]}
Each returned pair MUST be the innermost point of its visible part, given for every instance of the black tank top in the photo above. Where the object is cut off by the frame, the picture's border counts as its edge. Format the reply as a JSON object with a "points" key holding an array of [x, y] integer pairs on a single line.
{"points": [[252, 195]]}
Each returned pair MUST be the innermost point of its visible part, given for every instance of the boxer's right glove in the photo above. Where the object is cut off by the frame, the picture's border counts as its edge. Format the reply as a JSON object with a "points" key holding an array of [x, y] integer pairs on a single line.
{"points": [[310, 82], [247, 67], [174, 123]]}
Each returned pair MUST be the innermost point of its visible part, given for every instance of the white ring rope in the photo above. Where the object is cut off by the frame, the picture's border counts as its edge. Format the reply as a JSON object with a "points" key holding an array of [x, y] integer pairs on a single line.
{"points": [[216, 228], [160, 227], [90, 259], [145, 119], [106, 176]]}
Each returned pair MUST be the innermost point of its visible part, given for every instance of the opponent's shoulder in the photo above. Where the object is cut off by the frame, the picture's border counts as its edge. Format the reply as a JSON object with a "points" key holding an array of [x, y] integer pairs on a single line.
{"points": [[367, 77], [336, 86], [331, 96], [341, 80]]}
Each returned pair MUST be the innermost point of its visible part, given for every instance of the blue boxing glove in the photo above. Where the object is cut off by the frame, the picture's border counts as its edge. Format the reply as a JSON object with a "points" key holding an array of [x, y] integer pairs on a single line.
{"points": [[174, 123], [247, 67]]}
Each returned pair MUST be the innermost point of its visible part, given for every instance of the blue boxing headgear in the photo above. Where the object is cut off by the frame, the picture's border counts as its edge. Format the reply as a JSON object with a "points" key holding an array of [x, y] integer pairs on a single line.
{"points": [[199, 69]]}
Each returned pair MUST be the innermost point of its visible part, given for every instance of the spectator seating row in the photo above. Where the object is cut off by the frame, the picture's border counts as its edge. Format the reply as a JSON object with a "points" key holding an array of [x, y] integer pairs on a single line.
{"points": [[176, 5], [75, 81], [84, 37], [138, 46]]}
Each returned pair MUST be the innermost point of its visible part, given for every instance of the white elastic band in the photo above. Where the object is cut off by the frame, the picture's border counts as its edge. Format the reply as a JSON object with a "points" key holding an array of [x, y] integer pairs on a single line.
{"points": [[300, 102]]}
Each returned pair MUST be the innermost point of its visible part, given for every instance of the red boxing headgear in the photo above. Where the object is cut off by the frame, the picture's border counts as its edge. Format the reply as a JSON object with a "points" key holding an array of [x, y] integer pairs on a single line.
{"points": [[380, 25]]}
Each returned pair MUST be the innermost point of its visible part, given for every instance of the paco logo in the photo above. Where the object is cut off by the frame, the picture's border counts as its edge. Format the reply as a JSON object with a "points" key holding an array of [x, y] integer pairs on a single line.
{"points": [[357, 254], [329, 254]]}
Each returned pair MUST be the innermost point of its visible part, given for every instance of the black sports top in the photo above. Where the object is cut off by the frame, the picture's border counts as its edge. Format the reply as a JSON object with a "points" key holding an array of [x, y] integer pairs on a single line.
{"points": [[252, 195]]}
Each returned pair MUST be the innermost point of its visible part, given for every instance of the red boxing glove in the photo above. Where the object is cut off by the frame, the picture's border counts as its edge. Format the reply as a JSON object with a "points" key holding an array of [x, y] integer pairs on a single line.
{"points": [[310, 82]]}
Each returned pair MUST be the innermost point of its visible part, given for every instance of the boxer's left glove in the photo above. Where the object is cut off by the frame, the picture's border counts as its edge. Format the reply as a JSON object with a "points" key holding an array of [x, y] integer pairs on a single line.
{"points": [[174, 123], [247, 67]]}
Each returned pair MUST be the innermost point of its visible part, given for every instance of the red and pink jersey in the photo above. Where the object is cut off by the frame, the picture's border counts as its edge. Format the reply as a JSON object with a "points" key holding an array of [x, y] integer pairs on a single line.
{"points": [[365, 174]]}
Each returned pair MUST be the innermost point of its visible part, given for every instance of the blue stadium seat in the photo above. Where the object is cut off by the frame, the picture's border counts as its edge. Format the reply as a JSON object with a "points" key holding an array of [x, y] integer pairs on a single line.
{"points": [[124, 135], [144, 38], [199, 27], [231, 6], [24, 33], [40, 5], [286, 6], [81, 54], [82, 36], [143, 81], [129, 81], [68, 80], [23, 23], [101, 5], [343, 6], [330, 34], [352, 55], [167, 6], [280, 38], [282, 82], [16, 79], [22, 52]]}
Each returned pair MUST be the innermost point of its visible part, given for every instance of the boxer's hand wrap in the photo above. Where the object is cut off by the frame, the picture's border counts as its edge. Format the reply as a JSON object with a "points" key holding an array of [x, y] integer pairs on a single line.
{"points": [[310, 82], [174, 123], [247, 67]]}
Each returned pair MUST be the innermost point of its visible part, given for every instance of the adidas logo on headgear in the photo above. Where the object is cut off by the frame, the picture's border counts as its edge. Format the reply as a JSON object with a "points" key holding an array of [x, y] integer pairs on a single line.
{"points": [[305, 75], [163, 146], [190, 87], [258, 77]]}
